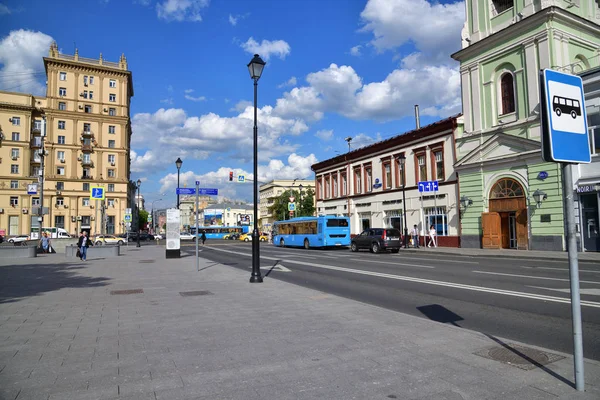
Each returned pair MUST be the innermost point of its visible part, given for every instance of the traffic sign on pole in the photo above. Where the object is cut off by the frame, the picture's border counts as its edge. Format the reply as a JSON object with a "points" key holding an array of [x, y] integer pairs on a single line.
{"points": [[96, 193], [32, 188], [241, 178], [428, 186], [291, 206]]}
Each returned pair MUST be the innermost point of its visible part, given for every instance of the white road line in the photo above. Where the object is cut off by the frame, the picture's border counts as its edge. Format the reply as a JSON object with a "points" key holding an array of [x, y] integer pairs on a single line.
{"points": [[440, 259], [590, 292], [298, 255], [435, 283], [391, 263], [533, 277], [562, 269]]}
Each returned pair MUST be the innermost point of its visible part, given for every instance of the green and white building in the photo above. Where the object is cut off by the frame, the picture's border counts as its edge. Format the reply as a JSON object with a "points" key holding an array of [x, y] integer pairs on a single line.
{"points": [[505, 45]]}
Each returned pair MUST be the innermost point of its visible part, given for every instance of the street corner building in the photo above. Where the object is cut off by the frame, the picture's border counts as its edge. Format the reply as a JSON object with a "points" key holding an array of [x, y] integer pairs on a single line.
{"points": [[76, 137], [513, 199], [377, 186]]}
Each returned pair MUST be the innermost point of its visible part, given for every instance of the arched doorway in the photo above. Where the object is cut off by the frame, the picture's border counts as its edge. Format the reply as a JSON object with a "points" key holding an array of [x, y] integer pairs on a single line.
{"points": [[505, 225]]}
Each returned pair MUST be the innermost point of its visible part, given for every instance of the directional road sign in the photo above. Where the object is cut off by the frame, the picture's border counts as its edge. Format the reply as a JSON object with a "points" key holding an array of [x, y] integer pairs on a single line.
{"points": [[208, 191], [564, 122], [186, 191], [428, 186], [291, 206], [96, 193], [32, 188]]}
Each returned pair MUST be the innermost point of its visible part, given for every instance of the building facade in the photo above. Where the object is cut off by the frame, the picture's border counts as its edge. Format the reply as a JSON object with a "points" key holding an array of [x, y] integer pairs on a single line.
{"points": [[187, 206], [77, 137], [377, 189], [227, 214], [505, 45], [275, 188]]}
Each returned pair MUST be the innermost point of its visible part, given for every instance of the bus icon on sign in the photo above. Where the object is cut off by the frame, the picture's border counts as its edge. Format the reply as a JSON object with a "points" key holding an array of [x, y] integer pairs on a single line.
{"points": [[565, 105]]}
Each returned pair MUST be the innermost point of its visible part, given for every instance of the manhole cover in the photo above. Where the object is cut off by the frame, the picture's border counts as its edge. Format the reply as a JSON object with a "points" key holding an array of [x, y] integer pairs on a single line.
{"points": [[146, 261], [519, 356], [127, 291], [195, 293]]}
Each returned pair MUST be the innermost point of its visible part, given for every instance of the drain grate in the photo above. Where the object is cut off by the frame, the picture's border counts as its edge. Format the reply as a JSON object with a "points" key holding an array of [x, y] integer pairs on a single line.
{"points": [[127, 291], [519, 356], [146, 261], [196, 293]]}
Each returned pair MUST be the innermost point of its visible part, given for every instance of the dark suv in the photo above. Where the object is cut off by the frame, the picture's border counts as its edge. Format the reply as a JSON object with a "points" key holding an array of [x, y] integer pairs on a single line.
{"points": [[377, 240]]}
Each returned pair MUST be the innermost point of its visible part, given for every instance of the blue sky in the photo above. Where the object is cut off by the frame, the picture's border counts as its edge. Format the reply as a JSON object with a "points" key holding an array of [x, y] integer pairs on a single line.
{"points": [[334, 69]]}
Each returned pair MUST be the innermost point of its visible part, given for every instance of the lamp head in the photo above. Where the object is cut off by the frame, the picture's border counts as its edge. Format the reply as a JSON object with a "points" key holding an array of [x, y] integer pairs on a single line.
{"points": [[139, 182], [465, 202], [178, 163], [255, 67], [401, 159], [539, 196]]}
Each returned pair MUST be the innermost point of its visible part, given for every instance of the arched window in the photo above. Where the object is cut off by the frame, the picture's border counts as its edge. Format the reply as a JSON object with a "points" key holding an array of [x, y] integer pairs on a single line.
{"points": [[507, 90], [505, 188]]}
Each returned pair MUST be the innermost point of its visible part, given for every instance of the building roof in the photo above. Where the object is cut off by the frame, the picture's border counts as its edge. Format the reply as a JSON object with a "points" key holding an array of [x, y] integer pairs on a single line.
{"points": [[395, 141]]}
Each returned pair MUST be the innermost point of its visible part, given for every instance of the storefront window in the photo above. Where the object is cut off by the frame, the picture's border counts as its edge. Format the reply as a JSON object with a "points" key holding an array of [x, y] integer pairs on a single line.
{"points": [[365, 221], [437, 217], [394, 219]]}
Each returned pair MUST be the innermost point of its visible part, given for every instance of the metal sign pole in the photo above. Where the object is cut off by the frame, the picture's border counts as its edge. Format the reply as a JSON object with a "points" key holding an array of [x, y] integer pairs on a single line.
{"points": [[574, 277], [197, 201]]}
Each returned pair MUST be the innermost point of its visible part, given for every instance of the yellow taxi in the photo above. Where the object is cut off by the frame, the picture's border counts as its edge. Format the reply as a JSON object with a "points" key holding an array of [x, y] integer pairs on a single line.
{"points": [[246, 237]]}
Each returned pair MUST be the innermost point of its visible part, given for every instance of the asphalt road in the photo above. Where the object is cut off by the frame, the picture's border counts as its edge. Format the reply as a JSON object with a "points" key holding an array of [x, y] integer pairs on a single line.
{"points": [[523, 300]]}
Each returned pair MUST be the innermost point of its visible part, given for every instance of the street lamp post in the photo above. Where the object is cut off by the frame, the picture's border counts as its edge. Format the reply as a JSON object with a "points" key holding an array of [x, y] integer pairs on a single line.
{"points": [[402, 161], [255, 67], [153, 222], [178, 165], [300, 202], [139, 183]]}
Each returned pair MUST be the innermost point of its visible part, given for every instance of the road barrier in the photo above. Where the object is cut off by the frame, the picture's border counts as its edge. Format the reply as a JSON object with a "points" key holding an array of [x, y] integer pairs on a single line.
{"points": [[18, 251], [95, 251]]}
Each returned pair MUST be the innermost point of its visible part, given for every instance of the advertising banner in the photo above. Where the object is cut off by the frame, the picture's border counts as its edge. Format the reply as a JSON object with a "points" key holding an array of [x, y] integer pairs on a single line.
{"points": [[173, 223], [213, 217]]}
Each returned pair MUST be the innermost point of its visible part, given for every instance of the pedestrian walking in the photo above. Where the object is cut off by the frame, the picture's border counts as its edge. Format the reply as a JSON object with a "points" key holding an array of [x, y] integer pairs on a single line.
{"points": [[203, 238], [44, 243], [83, 243], [415, 236], [432, 234]]}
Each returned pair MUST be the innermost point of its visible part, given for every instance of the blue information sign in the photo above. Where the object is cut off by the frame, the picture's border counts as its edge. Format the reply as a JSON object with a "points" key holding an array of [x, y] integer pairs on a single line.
{"points": [[564, 122], [186, 191], [428, 186], [207, 191]]}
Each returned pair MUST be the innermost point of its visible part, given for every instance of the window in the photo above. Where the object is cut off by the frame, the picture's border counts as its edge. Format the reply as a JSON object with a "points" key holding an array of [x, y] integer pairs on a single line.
{"points": [[87, 173], [62, 91], [111, 129], [112, 97], [88, 109], [60, 186], [86, 158], [508, 93], [112, 83], [14, 153], [85, 220], [91, 95], [335, 185], [60, 201], [422, 168], [91, 80], [35, 201], [344, 183], [14, 184], [60, 171], [59, 221], [35, 171], [85, 80], [111, 173], [387, 175], [594, 139], [111, 158], [61, 124], [110, 225], [85, 202], [63, 76], [506, 188], [87, 127], [327, 188], [110, 202], [16, 121], [61, 140], [400, 174], [439, 165], [357, 181], [14, 201], [112, 112], [60, 155], [86, 187], [37, 125], [85, 94], [16, 136], [111, 187], [368, 179], [62, 106], [437, 217], [14, 169], [111, 144], [501, 5]]}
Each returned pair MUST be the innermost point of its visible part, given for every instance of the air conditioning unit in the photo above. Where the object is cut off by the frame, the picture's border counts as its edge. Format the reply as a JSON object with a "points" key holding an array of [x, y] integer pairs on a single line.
{"points": [[62, 160], [78, 158], [73, 219], [80, 107], [106, 110], [91, 206], [10, 120], [112, 164], [66, 206], [85, 84], [14, 157], [79, 218], [81, 94], [58, 192], [25, 211], [1, 210]]}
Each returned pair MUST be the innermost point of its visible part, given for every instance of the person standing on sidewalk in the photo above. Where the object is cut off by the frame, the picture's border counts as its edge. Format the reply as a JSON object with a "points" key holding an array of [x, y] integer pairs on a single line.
{"points": [[415, 236], [203, 238], [432, 234], [45, 242], [83, 244]]}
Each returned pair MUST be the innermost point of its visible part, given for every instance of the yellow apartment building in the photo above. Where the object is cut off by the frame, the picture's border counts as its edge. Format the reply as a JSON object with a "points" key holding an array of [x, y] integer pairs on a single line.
{"points": [[77, 137], [273, 189]]}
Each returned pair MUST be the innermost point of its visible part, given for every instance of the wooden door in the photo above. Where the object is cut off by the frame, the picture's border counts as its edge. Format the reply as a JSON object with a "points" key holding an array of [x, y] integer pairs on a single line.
{"points": [[490, 224], [522, 235]]}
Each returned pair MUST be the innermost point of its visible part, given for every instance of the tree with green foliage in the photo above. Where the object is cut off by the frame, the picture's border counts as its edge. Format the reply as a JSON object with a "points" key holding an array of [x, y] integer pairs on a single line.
{"points": [[305, 206], [142, 218]]}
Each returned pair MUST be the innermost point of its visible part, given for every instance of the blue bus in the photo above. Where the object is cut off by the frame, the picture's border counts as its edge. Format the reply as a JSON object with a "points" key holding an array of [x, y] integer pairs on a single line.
{"points": [[307, 232], [217, 231]]}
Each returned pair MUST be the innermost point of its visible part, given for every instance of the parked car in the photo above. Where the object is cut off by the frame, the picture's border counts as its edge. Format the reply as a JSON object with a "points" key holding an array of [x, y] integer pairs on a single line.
{"points": [[19, 240], [108, 239], [246, 237], [186, 236], [263, 237], [377, 240]]}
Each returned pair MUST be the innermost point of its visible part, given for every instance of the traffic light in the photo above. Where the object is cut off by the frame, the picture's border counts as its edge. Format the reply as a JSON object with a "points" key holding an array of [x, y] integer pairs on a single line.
{"points": [[230, 176]]}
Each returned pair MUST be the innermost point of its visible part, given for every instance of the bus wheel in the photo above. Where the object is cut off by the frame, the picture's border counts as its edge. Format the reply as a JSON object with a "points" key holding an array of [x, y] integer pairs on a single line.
{"points": [[306, 244], [282, 243], [573, 114], [558, 112]]}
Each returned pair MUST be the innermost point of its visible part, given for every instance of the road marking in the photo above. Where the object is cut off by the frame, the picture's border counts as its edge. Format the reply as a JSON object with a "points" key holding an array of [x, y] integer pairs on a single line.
{"points": [[278, 267], [561, 269], [443, 260], [533, 277], [432, 282], [592, 292], [298, 255], [391, 263]]}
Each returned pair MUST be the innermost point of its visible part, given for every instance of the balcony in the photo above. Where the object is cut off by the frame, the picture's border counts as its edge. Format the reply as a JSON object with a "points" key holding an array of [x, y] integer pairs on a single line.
{"points": [[36, 143], [36, 131], [87, 163], [87, 177], [36, 160], [87, 134], [87, 148]]}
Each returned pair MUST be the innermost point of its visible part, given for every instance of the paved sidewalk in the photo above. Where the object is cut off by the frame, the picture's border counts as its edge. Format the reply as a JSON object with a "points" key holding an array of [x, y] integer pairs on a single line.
{"points": [[63, 335]]}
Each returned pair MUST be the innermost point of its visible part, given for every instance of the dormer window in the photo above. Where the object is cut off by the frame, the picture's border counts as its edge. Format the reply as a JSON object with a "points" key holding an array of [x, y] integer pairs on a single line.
{"points": [[507, 90], [501, 5]]}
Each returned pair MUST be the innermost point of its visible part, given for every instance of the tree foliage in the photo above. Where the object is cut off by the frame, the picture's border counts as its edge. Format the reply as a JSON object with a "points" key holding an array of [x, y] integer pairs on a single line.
{"points": [[143, 218], [305, 205]]}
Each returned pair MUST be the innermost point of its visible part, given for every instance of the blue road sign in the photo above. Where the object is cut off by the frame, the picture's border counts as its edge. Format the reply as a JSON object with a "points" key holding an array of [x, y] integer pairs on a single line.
{"points": [[97, 193], [32, 188], [197, 183], [208, 191], [428, 186], [127, 217], [564, 122], [186, 191], [291, 206]]}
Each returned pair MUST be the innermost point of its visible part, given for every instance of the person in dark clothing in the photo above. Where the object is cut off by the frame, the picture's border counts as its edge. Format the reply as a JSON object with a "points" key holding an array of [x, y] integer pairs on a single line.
{"points": [[83, 243], [203, 238]]}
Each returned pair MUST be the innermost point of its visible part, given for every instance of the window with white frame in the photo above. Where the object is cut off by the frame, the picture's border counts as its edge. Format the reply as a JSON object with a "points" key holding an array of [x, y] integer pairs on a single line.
{"points": [[91, 80], [60, 201], [111, 129], [369, 178], [112, 97], [61, 125], [62, 106], [344, 184], [422, 167], [111, 173], [14, 153], [16, 121], [594, 137], [439, 165], [85, 202], [60, 186], [91, 95], [87, 158], [62, 91], [327, 187], [335, 185], [63, 76], [88, 108], [87, 127], [60, 155], [111, 187], [437, 217], [110, 202], [112, 83], [87, 173], [387, 170], [60, 171], [112, 112], [14, 169], [16, 136], [86, 187], [85, 80], [37, 124], [357, 181], [14, 184], [35, 171], [35, 201], [85, 94], [111, 158], [111, 144], [14, 201], [61, 139]]}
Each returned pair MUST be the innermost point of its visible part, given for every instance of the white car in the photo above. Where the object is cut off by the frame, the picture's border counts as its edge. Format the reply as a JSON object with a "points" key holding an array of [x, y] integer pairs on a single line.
{"points": [[107, 239], [186, 236], [19, 240], [158, 236]]}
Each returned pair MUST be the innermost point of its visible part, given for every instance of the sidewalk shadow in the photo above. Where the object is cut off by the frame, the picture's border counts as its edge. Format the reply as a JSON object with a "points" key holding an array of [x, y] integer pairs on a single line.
{"points": [[439, 313], [26, 280]]}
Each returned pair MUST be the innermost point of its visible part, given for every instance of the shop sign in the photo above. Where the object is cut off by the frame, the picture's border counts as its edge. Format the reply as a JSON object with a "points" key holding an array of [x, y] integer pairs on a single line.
{"points": [[587, 188]]}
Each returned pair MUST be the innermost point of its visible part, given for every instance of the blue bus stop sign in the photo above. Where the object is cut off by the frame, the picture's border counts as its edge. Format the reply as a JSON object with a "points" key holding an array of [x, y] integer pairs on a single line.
{"points": [[564, 122]]}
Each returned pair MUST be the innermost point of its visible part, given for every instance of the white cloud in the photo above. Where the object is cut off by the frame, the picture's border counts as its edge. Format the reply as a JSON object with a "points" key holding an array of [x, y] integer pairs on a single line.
{"points": [[4, 9], [21, 55], [325, 135], [167, 101], [181, 10], [241, 105], [233, 20], [355, 51], [266, 48], [188, 91], [143, 2], [363, 140], [290, 82], [191, 98]]}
